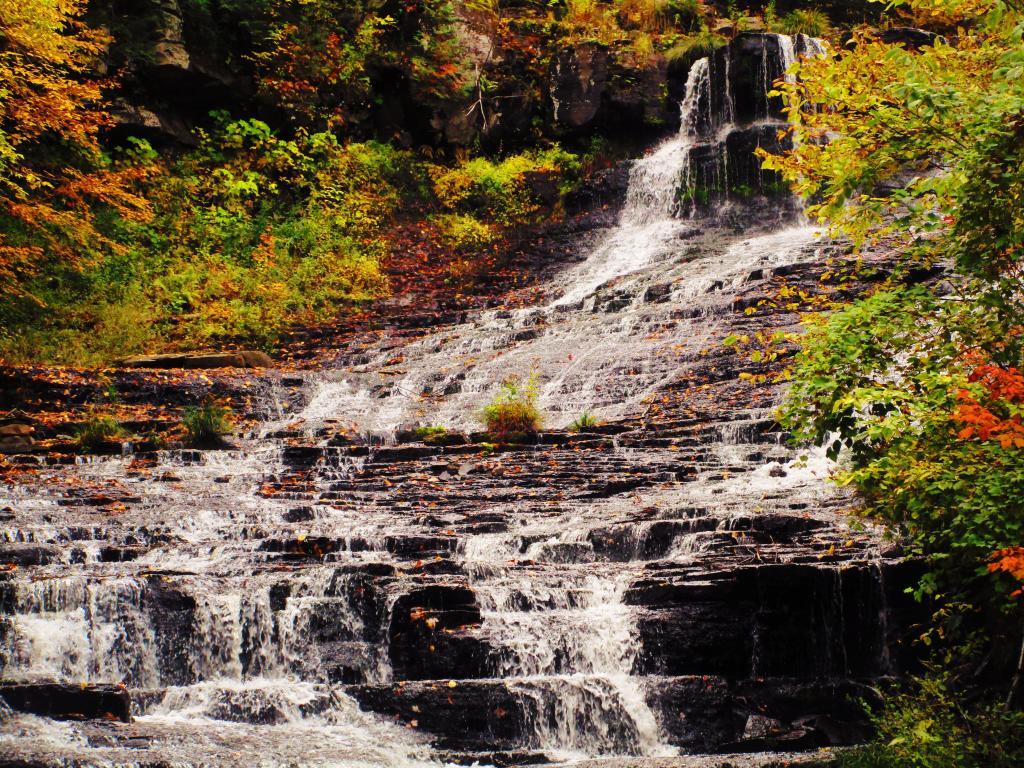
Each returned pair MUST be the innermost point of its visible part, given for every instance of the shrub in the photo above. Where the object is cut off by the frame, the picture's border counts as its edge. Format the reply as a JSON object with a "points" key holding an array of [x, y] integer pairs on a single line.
{"points": [[96, 430], [808, 22], [251, 232], [658, 16], [462, 232], [585, 420], [693, 47], [513, 412], [500, 190], [207, 424], [930, 726], [591, 20]]}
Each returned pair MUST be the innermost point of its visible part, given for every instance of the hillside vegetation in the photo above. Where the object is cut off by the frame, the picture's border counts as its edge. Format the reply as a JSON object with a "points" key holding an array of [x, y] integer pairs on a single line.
{"points": [[197, 172], [917, 388]]}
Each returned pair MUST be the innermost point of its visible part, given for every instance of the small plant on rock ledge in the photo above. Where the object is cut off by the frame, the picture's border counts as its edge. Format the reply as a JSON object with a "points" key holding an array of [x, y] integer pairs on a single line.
{"points": [[810, 22], [97, 429], [513, 413], [207, 424], [586, 420], [431, 434]]}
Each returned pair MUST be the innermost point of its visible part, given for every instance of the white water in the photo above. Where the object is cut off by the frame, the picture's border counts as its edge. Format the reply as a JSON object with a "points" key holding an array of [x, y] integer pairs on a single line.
{"points": [[649, 226]]}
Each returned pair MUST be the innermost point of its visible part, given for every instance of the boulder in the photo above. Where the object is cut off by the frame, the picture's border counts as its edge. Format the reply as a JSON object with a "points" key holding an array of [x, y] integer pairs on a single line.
{"points": [[16, 430], [578, 79], [13, 444], [911, 37], [245, 358], [255, 359]]}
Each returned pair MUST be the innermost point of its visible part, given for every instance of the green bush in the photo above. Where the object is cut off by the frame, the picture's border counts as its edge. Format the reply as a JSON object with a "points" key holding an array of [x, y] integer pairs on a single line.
{"points": [[513, 412], [501, 190], [804, 21], [585, 420], [207, 424], [930, 726], [251, 232], [463, 233], [96, 430], [657, 16]]}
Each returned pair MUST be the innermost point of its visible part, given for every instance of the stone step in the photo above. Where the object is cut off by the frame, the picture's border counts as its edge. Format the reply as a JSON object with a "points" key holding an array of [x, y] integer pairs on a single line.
{"points": [[696, 713]]}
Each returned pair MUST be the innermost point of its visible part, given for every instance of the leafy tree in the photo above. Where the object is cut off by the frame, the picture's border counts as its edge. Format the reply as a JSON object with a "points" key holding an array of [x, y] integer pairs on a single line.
{"points": [[318, 59], [917, 387], [55, 180]]}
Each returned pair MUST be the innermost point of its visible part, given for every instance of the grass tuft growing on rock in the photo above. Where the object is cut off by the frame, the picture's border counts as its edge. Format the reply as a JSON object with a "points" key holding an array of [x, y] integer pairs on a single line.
{"points": [[96, 430], [207, 424], [804, 21], [584, 421], [513, 413], [435, 434]]}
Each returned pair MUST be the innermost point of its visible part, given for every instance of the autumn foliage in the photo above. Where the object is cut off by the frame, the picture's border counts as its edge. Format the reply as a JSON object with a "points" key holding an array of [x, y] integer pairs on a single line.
{"points": [[1009, 561], [997, 414], [54, 176], [319, 60]]}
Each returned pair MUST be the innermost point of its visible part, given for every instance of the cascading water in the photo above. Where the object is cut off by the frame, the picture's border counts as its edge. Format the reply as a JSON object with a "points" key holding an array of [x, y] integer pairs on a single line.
{"points": [[506, 601], [649, 224]]}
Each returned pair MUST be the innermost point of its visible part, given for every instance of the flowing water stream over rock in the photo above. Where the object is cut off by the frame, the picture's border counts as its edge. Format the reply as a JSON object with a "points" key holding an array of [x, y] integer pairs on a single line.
{"points": [[335, 592]]}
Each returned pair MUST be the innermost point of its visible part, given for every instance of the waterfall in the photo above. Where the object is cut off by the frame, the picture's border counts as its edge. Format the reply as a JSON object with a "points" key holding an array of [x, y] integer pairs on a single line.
{"points": [[655, 180], [567, 646], [649, 222], [332, 594]]}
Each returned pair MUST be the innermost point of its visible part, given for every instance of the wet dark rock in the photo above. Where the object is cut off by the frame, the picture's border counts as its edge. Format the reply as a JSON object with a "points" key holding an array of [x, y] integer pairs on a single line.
{"points": [[821, 713], [695, 713], [120, 554], [431, 635], [14, 444], [299, 514], [314, 547], [463, 715], [171, 613], [636, 95], [301, 455], [578, 80], [16, 430], [738, 73], [68, 702], [402, 453], [911, 37], [29, 554]]}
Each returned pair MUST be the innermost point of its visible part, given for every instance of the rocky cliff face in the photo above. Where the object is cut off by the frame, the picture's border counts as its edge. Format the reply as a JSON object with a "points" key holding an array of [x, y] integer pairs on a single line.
{"points": [[178, 59]]}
